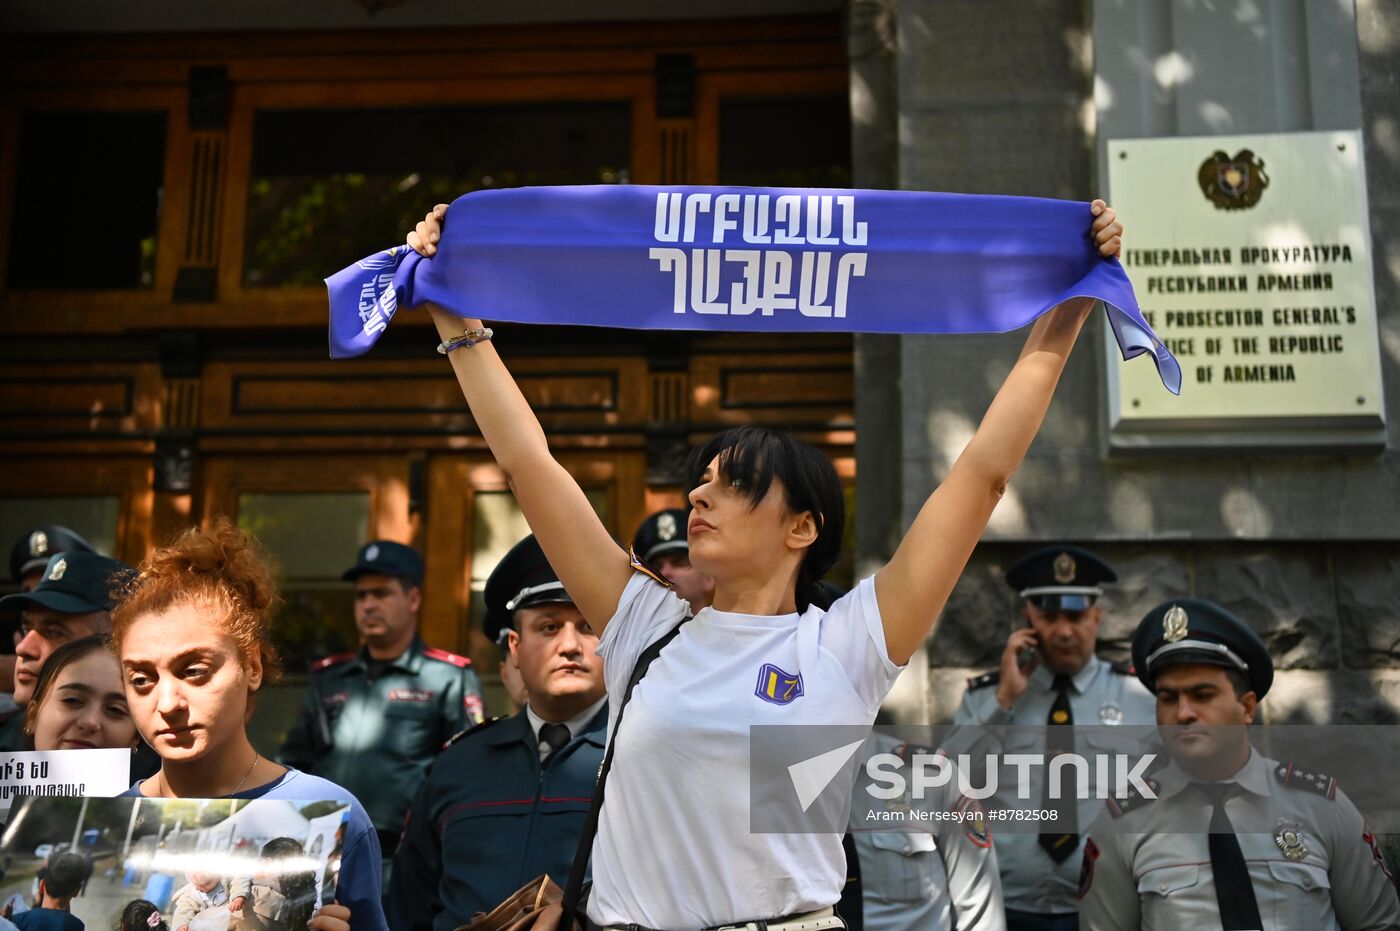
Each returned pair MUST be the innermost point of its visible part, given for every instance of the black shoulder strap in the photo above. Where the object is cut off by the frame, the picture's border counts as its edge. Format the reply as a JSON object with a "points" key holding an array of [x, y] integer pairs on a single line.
{"points": [[573, 889]]}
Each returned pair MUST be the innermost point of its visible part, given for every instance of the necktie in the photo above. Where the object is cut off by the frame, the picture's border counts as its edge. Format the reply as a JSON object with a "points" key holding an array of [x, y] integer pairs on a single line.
{"points": [[1059, 738], [554, 737], [1239, 910]]}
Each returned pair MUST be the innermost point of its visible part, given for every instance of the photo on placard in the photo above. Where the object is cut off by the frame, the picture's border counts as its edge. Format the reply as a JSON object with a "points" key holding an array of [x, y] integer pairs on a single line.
{"points": [[142, 864]]}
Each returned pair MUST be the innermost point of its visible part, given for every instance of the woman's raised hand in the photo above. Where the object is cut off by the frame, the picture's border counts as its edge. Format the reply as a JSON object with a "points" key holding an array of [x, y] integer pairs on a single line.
{"points": [[424, 237], [914, 586], [1106, 231], [332, 917], [589, 562]]}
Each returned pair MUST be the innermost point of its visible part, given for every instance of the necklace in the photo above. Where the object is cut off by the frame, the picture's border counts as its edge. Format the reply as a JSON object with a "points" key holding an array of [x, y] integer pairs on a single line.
{"points": [[160, 777], [256, 758]]}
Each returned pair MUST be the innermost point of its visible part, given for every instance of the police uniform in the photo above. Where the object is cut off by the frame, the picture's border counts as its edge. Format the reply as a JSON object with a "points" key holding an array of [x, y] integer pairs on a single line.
{"points": [[72, 582], [27, 557], [1037, 888], [374, 726], [499, 807], [1271, 847], [931, 880], [661, 533]]}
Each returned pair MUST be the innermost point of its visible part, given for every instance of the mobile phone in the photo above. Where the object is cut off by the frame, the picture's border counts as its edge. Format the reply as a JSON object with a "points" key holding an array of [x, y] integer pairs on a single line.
{"points": [[1027, 656]]}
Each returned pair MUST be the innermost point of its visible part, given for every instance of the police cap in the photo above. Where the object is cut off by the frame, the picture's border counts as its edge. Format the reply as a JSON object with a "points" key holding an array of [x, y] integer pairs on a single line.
{"points": [[385, 557], [1193, 630], [32, 551], [661, 533], [74, 582], [1060, 578], [523, 578]]}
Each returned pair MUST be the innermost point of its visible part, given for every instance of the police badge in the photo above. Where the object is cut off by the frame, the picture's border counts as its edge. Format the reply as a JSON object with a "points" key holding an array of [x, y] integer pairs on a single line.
{"points": [[1233, 183], [666, 526], [1065, 568], [372, 553], [1109, 713], [56, 573], [1288, 835], [38, 544], [974, 821], [1174, 624]]}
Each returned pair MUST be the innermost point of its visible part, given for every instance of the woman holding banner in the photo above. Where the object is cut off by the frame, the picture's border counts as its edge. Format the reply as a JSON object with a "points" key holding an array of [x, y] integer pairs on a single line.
{"points": [[191, 634], [765, 522]]}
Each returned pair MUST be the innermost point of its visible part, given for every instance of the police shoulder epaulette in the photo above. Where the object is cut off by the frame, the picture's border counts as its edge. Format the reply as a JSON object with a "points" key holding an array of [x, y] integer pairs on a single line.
{"points": [[1118, 807], [645, 568], [461, 662], [1318, 783], [471, 730], [329, 661], [984, 680], [1123, 668]]}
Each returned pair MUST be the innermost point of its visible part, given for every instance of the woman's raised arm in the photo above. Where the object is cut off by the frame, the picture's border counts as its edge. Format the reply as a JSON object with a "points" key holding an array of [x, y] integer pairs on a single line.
{"points": [[592, 567], [914, 586]]}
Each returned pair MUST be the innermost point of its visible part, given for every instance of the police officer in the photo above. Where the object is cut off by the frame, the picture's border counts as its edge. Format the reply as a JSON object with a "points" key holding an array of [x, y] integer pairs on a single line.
{"points": [[32, 550], [374, 719], [1049, 675], [937, 878], [663, 544], [510, 672], [1269, 846], [73, 599], [507, 800], [27, 559]]}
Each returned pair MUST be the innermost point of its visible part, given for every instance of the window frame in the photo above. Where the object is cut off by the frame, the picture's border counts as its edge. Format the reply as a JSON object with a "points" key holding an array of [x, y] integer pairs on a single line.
{"points": [[27, 310], [544, 62], [712, 88], [454, 480], [127, 478], [307, 305]]}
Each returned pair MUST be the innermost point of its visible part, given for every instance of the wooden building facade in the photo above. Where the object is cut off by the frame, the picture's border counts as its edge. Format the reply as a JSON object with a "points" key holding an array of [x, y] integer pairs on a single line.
{"points": [[169, 204]]}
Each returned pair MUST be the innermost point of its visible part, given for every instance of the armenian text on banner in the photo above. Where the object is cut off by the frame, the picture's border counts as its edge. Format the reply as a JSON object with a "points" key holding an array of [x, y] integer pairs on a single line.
{"points": [[64, 774], [767, 260]]}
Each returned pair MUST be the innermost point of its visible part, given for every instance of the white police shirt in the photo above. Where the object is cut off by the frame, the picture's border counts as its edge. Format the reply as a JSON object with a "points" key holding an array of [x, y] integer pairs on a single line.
{"points": [[1030, 880], [674, 847], [942, 876]]}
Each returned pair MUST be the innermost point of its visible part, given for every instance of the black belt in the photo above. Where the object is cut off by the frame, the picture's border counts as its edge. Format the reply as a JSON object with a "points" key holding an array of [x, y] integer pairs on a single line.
{"points": [[761, 924], [594, 926]]}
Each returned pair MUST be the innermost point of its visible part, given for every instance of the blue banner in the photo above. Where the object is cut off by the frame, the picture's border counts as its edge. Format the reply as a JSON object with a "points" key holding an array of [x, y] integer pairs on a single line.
{"points": [[761, 259]]}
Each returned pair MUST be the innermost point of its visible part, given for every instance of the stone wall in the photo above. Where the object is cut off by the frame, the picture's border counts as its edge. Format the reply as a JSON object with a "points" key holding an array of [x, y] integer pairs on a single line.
{"points": [[1015, 97], [1330, 614]]}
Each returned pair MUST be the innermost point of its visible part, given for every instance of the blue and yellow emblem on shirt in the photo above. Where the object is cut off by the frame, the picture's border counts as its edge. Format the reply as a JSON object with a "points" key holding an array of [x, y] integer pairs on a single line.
{"points": [[777, 686]]}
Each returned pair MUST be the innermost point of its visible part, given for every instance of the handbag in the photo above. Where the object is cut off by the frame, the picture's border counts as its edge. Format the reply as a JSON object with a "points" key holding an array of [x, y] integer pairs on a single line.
{"points": [[536, 906], [540, 905]]}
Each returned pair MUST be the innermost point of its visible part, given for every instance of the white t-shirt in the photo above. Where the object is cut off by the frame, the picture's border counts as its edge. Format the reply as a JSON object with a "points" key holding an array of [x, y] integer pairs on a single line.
{"points": [[674, 849]]}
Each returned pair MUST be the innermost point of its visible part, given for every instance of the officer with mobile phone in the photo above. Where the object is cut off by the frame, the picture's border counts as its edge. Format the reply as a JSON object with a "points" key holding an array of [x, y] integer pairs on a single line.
{"points": [[1049, 680]]}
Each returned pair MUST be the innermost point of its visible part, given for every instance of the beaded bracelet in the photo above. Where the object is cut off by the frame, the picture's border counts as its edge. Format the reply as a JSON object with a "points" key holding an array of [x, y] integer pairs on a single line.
{"points": [[466, 341]]}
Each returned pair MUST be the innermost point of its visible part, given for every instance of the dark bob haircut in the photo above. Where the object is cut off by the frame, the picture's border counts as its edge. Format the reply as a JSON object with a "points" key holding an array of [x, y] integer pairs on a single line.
{"points": [[751, 457]]}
